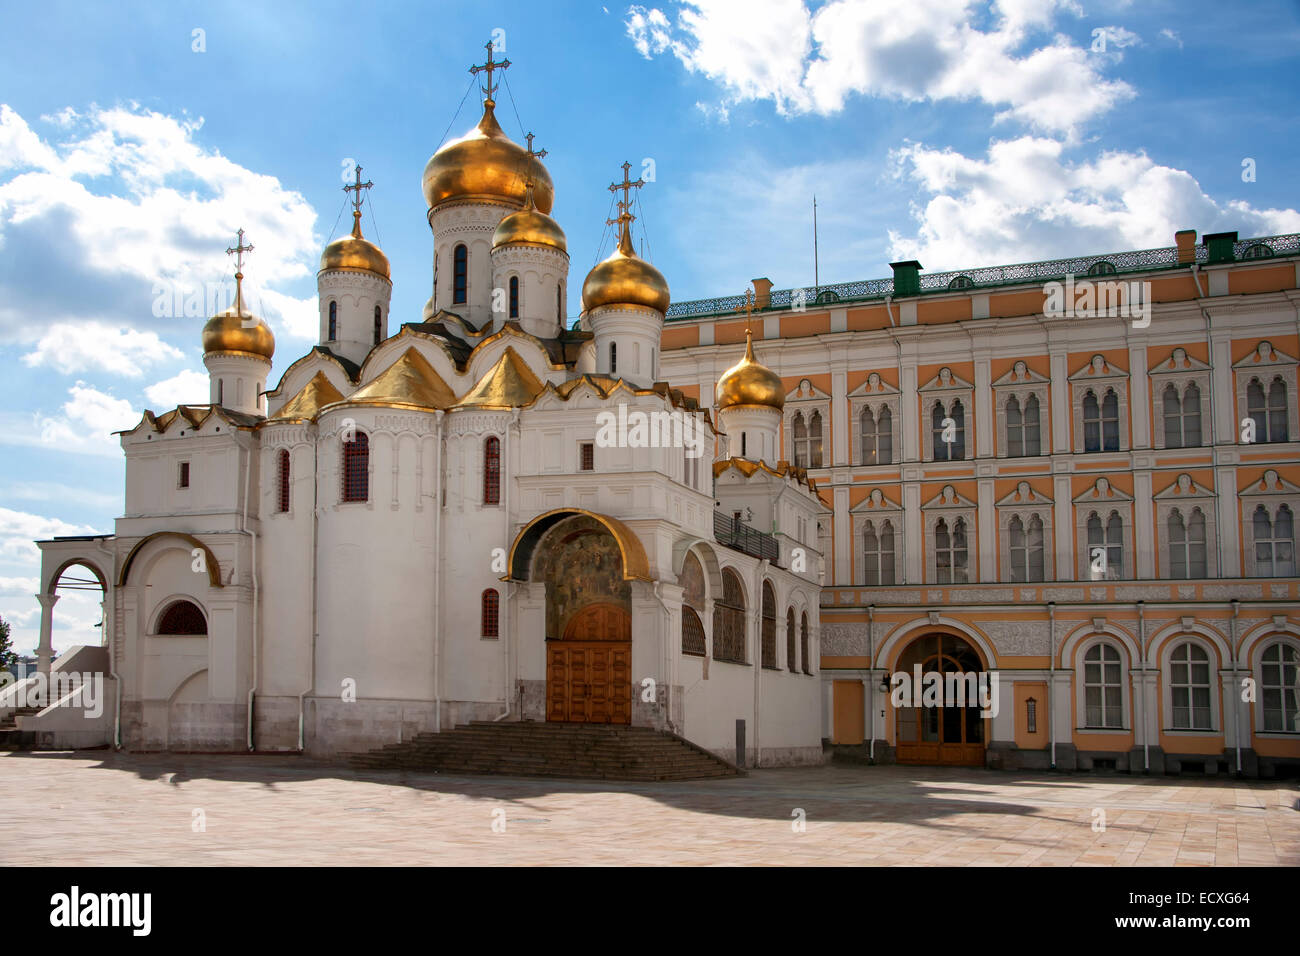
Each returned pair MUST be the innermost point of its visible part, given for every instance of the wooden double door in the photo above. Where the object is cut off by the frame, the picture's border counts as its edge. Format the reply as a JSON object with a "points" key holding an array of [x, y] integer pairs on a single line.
{"points": [[589, 671], [947, 734]]}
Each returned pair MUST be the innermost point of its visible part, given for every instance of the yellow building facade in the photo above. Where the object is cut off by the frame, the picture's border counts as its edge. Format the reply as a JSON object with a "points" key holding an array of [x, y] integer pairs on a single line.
{"points": [[1077, 479]]}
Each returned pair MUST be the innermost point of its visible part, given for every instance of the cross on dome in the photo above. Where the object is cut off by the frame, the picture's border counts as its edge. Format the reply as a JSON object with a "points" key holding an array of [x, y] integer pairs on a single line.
{"points": [[238, 251], [357, 187], [488, 67]]}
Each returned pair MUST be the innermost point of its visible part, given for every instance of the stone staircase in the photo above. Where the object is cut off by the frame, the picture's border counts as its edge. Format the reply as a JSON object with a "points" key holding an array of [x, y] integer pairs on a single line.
{"points": [[11, 738], [542, 749]]}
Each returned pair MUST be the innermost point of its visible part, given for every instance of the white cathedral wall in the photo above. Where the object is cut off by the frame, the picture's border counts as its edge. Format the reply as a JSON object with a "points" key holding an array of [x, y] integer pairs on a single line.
{"points": [[473, 224], [356, 294], [636, 332], [540, 269], [752, 432]]}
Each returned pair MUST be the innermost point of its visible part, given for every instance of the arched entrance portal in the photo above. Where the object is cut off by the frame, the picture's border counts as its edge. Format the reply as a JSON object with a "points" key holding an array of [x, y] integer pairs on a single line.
{"points": [[588, 624], [943, 727]]}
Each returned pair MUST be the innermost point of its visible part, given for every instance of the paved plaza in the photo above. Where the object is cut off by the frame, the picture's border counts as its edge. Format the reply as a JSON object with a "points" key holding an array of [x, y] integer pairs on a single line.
{"points": [[99, 808]]}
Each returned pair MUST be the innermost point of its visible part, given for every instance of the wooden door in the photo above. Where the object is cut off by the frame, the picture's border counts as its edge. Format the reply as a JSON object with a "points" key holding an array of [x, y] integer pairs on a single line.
{"points": [[589, 672]]}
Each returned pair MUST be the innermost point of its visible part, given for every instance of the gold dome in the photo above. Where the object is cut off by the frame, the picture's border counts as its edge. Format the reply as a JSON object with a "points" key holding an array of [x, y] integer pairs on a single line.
{"points": [[228, 332], [625, 279], [529, 225], [749, 382], [354, 252], [486, 164]]}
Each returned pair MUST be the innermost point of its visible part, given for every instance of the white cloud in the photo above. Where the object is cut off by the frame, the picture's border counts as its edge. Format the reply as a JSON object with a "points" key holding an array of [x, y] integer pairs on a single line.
{"points": [[921, 50], [126, 199], [186, 387], [1026, 201], [77, 347], [20, 529], [1172, 36], [46, 490], [84, 425]]}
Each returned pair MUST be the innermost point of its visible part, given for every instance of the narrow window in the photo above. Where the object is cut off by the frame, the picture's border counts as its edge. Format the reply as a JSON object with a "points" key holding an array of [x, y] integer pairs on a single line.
{"points": [[1192, 417], [221, 390], [800, 431], [1031, 716], [334, 322], [559, 308], [514, 297], [588, 456], [1277, 411], [1110, 421], [1033, 427], [769, 626], [379, 325], [356, 468], [1103, 690], [282, 480], [803, 643], [1281, 696], [491, 614], [460, 275], [1189, 686], [1091, 422], [815, 440], [613, 358], [1015, 429], [492, 471], [183, 480], [744, 445], [959, 419], [1173, 411]]}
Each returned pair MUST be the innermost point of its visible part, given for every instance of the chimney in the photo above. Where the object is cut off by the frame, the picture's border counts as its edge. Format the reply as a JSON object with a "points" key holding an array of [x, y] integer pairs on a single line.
{"points": [[762, 293], [1185, 240], [1219, 247], [907, 277]]}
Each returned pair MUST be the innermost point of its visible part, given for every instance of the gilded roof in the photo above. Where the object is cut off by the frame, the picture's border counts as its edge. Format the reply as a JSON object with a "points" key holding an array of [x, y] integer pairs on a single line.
{"points": [[509, 383], [783, 469], [311, 398], [409, 382]]}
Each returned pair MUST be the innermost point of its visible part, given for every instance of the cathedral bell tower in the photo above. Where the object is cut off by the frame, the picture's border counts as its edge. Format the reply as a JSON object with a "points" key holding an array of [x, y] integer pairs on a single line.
{"points": [[750, 398], [237, 349]]}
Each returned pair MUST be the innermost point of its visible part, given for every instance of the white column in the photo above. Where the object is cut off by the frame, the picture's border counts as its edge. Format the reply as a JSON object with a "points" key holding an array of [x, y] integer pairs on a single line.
{"points": [[1144, 525], [1063, 527], [840, 416], [907, 402], [988, 532], [1229, 525], [45, 649], [843, 538], [913, 534], [983, 407], [1061, 408], [1225, 399], [1139, 403]]}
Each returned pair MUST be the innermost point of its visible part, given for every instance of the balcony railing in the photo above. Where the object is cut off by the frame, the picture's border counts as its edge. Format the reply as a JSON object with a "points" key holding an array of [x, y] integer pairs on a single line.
{"points": [[734, 534]]}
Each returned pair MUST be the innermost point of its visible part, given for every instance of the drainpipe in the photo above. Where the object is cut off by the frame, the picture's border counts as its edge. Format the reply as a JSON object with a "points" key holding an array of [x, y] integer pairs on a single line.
{"points": [[1142, 711], [110, 595], [437, 588], [503, 628], [1209, 353], [889, 310], [871, 682], [757, 605], [315, 576], [1236, 703], [1051, 681], [248, 478]]}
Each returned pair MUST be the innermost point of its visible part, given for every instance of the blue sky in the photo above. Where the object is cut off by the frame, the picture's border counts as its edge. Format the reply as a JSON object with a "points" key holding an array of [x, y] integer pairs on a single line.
{"points": [[958, 133]]}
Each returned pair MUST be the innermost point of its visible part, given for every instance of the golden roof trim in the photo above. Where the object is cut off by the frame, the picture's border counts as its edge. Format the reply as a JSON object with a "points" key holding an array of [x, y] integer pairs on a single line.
{"points": [[409, 382], [509, 383], [636, 566], [310, 399]]}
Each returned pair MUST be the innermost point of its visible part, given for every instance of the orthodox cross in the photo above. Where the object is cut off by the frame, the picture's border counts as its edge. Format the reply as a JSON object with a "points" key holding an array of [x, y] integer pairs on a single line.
{"points": [[748, 309], [489, 67], [536, 155], [238, 252], [627, 186], [357, 187]]}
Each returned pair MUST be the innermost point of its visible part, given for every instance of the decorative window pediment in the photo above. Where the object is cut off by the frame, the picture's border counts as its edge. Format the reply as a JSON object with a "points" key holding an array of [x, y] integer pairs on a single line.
{"points": [[1102, 493], [874, 423], [1025, 535], [875, 503], [1184, 487], [1100, 401], [873, 386], [1021, 375], [948, 498], [1099, 369], [1269, 483], [806, 391], [1025, 497], [1178, 362], [945, 381], [1263, 356]]}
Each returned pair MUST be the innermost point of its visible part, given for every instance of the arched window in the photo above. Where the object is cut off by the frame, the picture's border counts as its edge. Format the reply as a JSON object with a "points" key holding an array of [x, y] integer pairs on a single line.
{"points": [[800, 441], [183, 619], [1189, 685], [815, 440], [1026, 549], [1274, 543], [1102, 688], [460, 275], [1102, 268], [559, 307], [613, 358], [950, 552], [1186, 545], [221, 390], [1281, 699], [744, 445], [1277, 430], [791, 655], [954, 450], [334, 322], [514, 297], [1182, 417], [878, 553], [729, 620], [379, 325], [692, 632], [356, 468], [1101, 421], [1091, 422], [692, 583], [282, 480], [1105, 556], [1033, 428], [491, 613], [877, 437], [1024, 437], [803, 643], [492, 471], [769, 626]]}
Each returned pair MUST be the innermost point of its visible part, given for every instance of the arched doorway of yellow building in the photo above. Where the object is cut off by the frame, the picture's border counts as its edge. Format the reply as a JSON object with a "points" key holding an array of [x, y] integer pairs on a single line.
{"points": [[953, 732]]}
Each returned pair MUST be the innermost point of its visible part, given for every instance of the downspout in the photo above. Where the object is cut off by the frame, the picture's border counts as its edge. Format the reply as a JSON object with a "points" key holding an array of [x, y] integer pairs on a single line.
{"points": [[503, 629], [248, 479], [758, 659], [1051, 680], [871, 682], [315, 576], [1209, 354], [1236, 703], [110, 595], [1142, 711], [437, 588]]}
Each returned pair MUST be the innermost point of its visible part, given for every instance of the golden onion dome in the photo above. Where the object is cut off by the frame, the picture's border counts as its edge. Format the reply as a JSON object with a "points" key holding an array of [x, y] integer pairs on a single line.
{"points": [[238, 330], [355, 252], [625, 279], [529, 225], [749, 382], [486, 164]]}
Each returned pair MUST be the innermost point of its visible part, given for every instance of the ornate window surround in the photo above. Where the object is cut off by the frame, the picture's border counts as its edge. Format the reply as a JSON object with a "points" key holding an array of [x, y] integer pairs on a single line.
{"points": [[949, 506], [945, 387], [1103, 498], [1186, 495], [807, 398], [1166, 684], [1024, 503], [1080, 697], [1021, 382], [877, 508], [875, 394], [1269, 362], [1179, 370], [1272, 492], [1098, 375]]}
